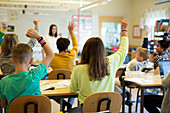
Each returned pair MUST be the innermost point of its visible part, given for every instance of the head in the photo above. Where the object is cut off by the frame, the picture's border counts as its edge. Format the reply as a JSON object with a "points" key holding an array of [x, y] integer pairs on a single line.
{"points": [[62, 44], [9, 41], [142, 54], [93, 54], [22, 54], [162, 45], [53, 30]]}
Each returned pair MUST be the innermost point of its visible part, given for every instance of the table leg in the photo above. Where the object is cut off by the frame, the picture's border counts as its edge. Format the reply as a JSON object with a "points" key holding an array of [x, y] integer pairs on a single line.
{"points": [[123, 96], [142, 100], [61, 105]]}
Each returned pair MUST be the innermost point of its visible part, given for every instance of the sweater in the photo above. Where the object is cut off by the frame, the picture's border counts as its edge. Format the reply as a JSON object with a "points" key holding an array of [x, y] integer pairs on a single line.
{"points": [[80, 81]]}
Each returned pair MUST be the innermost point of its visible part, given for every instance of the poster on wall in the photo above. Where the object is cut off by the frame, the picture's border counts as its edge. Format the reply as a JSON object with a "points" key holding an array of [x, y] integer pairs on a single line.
{"points": [[10, 28], [3, 15], [137, 31], [161, 1]]}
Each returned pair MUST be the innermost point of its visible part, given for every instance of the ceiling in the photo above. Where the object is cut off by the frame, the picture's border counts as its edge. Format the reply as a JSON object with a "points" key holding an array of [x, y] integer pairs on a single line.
{"points": [[52, 5]]}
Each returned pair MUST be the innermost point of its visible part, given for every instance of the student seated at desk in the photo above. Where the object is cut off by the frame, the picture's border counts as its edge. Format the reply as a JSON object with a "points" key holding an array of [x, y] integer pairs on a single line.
{"points": [[23, 82], [66, 59], [8, 42], [96, 73]]}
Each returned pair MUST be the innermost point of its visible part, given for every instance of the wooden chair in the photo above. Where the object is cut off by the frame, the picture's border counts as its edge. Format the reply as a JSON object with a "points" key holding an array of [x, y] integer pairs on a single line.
{"points": [[59, 74], [30, 104], [103, 101]]}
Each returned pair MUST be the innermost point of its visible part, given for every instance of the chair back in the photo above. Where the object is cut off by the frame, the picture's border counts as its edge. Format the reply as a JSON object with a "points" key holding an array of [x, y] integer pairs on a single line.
{"points": [[59, 74], [30, 104], [103, 101]]}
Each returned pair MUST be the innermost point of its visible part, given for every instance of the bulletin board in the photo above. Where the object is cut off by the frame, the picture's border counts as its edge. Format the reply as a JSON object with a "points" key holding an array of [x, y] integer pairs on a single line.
{"points": [[137, 31]]}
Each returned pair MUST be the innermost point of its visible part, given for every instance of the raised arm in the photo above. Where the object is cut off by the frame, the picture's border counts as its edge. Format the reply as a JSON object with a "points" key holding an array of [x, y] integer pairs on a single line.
{"points": [[49, 53], [33, 41], [73, 38]]}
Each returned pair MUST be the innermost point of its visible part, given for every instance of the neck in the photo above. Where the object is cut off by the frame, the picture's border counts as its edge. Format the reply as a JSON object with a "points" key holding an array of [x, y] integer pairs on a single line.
{"points": [[62, 51], [21, 68]]}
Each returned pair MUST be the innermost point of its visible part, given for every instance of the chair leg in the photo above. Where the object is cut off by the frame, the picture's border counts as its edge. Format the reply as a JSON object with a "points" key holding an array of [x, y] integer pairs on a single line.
{"points": [[130, 105], [137, 98]]}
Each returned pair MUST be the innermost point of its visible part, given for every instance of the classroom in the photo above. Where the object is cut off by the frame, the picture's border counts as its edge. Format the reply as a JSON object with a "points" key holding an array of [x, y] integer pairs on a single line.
{"points": [[81, 56]]}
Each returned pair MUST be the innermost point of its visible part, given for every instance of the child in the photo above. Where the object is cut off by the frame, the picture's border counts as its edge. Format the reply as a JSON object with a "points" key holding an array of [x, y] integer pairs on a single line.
{"points": [[23, 82], [7, 44], [141, 60], [95, 73], [65, 59]]}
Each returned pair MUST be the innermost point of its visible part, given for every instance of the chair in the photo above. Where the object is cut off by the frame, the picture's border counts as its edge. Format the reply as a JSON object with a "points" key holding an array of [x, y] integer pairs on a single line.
{"points": [[30, 104], [103, 101], [56, 74]]}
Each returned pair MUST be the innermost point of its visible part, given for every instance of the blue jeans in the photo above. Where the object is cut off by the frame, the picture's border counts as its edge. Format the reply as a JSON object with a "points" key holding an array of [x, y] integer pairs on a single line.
{"points": [[76, 110]]}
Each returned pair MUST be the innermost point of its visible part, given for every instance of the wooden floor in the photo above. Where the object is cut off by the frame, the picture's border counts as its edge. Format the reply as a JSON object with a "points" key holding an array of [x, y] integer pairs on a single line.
{"points": [[56, 106]]}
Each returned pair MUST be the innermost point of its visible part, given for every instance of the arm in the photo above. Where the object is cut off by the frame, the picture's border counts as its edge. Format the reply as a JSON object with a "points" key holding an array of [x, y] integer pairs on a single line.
{"points": [[166, 81], [74, 81], [73, 38], [33, 41], [119, 57], [49, 53], [145, 41]]}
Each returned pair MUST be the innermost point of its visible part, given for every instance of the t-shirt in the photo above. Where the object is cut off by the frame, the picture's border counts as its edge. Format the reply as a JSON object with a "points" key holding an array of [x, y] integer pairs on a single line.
{"points": [[22, 84], [52, 42]]}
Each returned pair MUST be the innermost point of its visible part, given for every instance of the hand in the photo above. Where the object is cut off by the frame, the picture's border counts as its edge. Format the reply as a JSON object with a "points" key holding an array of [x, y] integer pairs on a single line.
{"points": [[148, 31], [124, 24], [35, 21], [31, 33], [71, 27]]}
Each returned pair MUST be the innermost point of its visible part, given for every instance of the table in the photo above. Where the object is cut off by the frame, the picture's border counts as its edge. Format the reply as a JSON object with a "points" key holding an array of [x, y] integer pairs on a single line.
{"points": [[58, 93], [154, 82]]}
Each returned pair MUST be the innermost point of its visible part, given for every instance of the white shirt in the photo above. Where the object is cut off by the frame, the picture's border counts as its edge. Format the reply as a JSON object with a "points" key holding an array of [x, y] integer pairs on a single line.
{"points": [[52, 43]]}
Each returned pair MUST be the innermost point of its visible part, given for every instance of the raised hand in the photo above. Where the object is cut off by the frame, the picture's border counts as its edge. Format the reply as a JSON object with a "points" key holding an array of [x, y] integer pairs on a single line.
{"points": [[124, 24], [31, 33], [148, 31], [35, 21], [71, 27]]}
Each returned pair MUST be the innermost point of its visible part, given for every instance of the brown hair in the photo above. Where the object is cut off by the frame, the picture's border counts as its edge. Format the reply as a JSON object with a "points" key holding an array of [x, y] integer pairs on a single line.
{"points": [[8, 42], [22, 53], [143, 52], [93, 54]]}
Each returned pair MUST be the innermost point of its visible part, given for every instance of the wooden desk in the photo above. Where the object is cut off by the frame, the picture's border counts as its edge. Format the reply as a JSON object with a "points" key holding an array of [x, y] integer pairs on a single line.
{"points": [[155, 82], [58, 93]]}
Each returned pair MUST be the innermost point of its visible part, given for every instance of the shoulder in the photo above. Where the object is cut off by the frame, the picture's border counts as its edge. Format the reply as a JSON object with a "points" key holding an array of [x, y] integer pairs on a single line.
{"points": [[81, 67]]}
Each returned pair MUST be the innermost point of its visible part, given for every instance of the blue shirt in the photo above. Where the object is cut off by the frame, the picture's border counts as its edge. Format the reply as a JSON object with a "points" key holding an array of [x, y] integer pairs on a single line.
{"points": [[22, 84]]}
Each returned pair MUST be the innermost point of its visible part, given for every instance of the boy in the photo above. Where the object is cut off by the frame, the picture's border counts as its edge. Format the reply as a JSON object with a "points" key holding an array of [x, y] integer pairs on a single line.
{"points": [[65, 59], [141, 60], [23, 82]]}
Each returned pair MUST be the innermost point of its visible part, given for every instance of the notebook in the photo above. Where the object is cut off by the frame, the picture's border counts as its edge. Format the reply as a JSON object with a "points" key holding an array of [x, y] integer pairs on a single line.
{"points": [[164, 67]]}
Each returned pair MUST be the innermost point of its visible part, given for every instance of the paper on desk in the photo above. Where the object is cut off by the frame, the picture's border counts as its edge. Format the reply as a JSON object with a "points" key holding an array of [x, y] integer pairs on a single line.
{"points": [[64, 82], [46, 86], [138, 80]]}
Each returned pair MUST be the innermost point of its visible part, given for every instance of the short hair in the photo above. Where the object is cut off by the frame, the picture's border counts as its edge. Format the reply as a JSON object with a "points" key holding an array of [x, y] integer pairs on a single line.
{"points": [[164, 44], [22, 53], [93, 54], [143, 52], [50, 30], [62, 44], [8, 42]]}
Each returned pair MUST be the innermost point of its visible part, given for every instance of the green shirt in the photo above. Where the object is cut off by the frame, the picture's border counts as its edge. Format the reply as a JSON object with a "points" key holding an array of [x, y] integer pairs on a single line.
{"points": [[22, 84], [81, 84]]}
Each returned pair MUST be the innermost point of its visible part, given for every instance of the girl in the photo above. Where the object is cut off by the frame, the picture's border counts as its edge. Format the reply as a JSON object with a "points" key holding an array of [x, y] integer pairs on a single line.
{"points": [[95, 72], [7, 44]]}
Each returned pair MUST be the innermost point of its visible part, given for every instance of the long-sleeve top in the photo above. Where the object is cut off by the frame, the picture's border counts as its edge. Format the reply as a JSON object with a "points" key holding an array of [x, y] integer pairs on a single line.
{"points": [[5, 63], [66, 60], [166, 100], [81, 83]]}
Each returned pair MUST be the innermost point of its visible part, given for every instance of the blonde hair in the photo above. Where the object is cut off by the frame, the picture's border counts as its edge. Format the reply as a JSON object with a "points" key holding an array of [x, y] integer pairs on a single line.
{"points": [[22, 53], [8, 42], [143, 52]]}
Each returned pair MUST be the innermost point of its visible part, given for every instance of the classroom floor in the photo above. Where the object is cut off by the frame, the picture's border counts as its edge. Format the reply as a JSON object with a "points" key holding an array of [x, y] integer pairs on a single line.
{"points": [[56, 106]]}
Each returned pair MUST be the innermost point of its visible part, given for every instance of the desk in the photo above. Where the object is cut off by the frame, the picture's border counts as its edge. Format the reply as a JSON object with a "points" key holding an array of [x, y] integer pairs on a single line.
{"points": [[155, 82], [58, 93]]}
